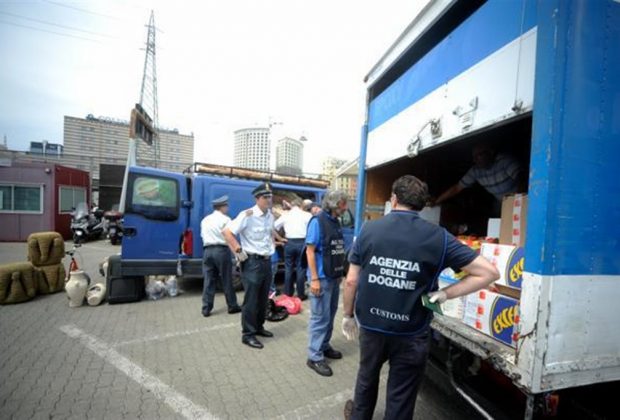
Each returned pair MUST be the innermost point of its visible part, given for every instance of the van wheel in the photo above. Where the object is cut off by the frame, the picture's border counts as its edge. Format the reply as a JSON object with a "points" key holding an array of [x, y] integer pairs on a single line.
{"points": [[237, 284]]}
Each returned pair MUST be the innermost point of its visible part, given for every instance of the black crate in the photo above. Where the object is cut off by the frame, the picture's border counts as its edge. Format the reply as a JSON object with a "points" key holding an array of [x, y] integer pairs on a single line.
{"points": [[125, 289]]}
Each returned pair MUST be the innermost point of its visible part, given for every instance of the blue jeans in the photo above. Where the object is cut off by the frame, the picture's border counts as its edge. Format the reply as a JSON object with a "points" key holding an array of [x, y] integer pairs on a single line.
{"points": [[321, 323], [292, 260]]}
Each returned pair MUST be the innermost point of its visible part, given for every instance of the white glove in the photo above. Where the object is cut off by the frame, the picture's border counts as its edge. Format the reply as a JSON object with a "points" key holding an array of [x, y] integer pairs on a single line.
{"points": [[439, 296], [241, 256], [349, 327]]}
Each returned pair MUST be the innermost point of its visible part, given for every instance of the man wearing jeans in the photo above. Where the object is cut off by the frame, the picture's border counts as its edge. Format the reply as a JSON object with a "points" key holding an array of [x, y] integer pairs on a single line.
{"points": [[394, 262], [325, 253]]}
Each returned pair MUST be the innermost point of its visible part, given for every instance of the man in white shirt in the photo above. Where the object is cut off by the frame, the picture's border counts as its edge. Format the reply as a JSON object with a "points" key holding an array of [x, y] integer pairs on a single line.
{"points": [[295, 224], [217, 259], [256, 234]]}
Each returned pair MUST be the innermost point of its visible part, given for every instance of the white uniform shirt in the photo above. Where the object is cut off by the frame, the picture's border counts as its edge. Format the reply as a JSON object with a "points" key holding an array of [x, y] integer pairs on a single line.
{"points": [[255, 231], [211, 228], [295, 223]]}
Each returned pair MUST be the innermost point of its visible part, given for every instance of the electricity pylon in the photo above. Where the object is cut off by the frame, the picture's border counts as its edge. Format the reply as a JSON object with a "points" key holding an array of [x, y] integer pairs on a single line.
{"points": [[148, 90]]}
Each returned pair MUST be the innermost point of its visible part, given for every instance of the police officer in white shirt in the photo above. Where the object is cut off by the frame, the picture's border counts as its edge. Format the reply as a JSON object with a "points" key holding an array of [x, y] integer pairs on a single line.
{"points": [[217, 259], [295, 224], [256, 234]]}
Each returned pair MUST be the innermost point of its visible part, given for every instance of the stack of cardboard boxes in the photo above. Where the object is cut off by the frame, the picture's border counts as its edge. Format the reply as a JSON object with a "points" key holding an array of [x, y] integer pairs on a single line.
{"points": [[496, 312]]}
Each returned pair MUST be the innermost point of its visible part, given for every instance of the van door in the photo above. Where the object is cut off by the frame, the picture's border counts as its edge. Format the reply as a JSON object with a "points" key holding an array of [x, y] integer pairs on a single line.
{"points": [[156, 214]]}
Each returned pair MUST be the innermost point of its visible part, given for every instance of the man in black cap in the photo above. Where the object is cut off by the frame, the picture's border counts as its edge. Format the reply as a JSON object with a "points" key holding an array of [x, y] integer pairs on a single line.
{"points": [[217, 259], [256, 234]]}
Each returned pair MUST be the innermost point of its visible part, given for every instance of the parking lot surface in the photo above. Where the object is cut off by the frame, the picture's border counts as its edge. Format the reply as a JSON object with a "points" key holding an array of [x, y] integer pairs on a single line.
{"points": [[162, 359]]}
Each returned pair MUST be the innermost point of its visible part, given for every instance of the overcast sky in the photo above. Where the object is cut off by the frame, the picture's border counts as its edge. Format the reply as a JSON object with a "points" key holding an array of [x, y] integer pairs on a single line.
{"points": [[221, 65]]}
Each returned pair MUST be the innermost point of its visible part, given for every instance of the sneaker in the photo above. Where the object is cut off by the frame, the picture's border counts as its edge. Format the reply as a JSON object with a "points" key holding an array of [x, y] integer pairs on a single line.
{"points": [[332, 354], [348, 409], [320, 367]]}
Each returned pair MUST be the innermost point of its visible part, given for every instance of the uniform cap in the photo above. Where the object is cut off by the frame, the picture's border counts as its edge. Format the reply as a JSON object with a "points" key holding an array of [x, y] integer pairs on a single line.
{"points": [[220, 201], [262, 189]]}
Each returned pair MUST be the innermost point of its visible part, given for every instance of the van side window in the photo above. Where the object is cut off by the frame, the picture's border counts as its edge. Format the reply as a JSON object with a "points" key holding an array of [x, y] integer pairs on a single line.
{"points": [[153, 197]]}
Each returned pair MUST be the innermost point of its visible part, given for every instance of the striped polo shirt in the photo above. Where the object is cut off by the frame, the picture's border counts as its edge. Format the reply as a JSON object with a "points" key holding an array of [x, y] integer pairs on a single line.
{"points": [[499, 179]]}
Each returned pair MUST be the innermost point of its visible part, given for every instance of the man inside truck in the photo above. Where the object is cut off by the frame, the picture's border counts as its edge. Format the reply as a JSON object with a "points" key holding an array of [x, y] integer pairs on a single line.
{"points": [[499, 174]]}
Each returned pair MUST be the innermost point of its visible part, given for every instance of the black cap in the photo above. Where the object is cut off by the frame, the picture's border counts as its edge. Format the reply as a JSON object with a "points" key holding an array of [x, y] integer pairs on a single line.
{"points": [[220, 201], [262, 189]]}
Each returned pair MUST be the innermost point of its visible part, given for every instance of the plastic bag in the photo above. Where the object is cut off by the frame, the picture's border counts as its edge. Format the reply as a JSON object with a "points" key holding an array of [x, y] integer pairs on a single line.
{"points": [[172, 288], [292, 304], [275, 313], [155, 289]]}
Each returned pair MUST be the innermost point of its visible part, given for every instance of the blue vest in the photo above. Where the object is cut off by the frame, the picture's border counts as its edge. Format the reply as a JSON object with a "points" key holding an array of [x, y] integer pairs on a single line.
{"points": [[332, 246], [401, 256]]}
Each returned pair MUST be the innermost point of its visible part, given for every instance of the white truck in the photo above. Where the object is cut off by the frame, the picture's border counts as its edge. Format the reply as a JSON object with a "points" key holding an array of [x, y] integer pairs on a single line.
{"points": [[540, 80]]}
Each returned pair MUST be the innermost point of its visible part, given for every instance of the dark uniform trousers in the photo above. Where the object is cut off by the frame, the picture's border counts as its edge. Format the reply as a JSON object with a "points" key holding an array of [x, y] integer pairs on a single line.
{"points": [[256, 278], [217, 264], [407, 356]]}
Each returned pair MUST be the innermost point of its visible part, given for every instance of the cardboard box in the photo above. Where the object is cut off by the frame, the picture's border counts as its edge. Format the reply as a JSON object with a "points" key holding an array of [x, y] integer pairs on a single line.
{"points": [[454, 308], [509, 262], [494, 228], [494, 315], [514, 220]]}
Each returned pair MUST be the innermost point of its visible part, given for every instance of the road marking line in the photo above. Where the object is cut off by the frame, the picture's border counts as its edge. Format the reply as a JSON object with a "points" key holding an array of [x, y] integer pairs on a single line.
{"points": [[176, 401], [316, 409], [159, 337]]}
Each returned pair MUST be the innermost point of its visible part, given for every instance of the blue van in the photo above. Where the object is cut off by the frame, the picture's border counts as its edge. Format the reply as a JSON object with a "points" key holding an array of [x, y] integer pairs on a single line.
{"points": [[164, 209]]}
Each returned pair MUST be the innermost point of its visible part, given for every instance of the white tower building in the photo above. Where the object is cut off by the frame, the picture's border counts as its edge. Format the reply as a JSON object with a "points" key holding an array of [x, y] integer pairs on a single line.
{"points": [[289, 156], [252, 148]]}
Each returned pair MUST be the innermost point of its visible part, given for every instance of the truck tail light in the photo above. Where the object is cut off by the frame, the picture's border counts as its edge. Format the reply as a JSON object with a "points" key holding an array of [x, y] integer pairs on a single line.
{"points": [[187, 246]]}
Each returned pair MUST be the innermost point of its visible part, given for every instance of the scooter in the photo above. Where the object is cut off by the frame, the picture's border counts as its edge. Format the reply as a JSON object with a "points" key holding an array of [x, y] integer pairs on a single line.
{"points": [[86, 225], [114, 225]]}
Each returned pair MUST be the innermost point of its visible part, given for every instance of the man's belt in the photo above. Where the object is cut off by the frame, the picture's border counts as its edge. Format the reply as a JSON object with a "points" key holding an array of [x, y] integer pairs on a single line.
{"points": [[214, 245], [259, 257]]}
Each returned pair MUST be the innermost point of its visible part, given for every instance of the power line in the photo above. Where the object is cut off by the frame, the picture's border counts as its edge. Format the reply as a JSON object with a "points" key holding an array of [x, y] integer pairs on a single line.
{"points": [[49, 32], [71, 28], [55, 3]]}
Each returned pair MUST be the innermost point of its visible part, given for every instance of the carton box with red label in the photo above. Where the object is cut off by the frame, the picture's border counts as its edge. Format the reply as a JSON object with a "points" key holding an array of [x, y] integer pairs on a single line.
{"points": [[509, 262], [494, 315], [514, 220]]}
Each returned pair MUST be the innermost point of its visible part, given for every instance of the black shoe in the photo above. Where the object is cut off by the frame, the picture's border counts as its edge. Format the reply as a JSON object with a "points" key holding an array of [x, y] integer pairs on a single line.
{"points": [[320, 367], [234, 309], [348, 409], [303, 297], [252, 342], [332, 354], [264, 333], [206, 313]]}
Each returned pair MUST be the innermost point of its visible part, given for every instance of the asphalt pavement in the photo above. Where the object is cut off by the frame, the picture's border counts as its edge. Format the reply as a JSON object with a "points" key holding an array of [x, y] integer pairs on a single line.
{"points": [[162, 359]]}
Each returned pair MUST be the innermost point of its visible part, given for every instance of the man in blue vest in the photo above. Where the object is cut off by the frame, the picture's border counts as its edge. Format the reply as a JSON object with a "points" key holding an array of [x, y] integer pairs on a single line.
{"points": [[325, 254], [394, 262]]}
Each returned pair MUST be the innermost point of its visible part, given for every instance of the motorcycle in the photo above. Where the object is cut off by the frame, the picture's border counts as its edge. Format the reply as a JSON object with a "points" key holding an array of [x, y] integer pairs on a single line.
{"points": [[113, 225], [86, 224]]}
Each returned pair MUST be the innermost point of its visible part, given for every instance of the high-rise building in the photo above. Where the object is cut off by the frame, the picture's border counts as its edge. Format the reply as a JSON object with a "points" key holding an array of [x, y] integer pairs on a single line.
{"points": [[289, 156], [252, 148], [91, 142]]}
